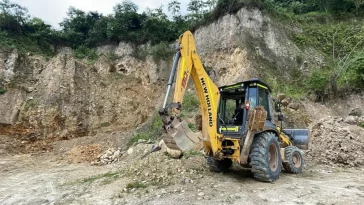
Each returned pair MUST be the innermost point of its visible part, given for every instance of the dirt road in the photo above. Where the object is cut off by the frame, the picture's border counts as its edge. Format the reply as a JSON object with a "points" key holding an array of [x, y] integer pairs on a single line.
{"points": [[159, 179]]}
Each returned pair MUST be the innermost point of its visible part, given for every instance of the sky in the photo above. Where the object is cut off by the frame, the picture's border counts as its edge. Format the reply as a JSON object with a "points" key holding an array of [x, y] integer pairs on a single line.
{"points": [[54, 11]]}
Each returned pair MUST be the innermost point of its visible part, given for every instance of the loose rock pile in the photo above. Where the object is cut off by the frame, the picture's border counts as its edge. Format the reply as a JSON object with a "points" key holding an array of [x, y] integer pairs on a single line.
{"points": [[337, 141], [109, 156]]}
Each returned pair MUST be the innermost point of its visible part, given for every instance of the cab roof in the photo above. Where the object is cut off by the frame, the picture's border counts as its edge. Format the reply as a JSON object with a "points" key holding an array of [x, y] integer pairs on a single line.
{"points": [[248, 83]]}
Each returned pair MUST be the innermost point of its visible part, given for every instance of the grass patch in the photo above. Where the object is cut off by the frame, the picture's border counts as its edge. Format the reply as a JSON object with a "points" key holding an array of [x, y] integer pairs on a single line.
{"points": [[106, 177], [361, 124], [288, 89], [192, 153], [190, 102], [105, 124], [83, 52], [25, 44], [153, 131], [3, 91], [111, 56], [136, 185], [30, 104], [161, 51], [192, 126]]}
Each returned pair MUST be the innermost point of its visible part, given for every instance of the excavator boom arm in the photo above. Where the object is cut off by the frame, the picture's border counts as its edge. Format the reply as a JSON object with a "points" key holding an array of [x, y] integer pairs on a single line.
{"points": [[188, 64]]}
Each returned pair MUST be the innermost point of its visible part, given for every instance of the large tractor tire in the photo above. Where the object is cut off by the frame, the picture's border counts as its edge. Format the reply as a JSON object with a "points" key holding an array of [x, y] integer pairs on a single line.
{"points": [[294, 161], [219, 165], [265, 157]]}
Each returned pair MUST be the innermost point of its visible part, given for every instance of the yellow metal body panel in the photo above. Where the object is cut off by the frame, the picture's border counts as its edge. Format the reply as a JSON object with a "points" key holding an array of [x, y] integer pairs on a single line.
{"points": [[190, 65], [284, 138]]}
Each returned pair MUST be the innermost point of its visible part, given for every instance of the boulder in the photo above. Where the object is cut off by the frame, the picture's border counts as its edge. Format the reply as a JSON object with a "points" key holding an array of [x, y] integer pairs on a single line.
{"points": [[356, 112], [11, 103], [352, 120], [176, 154], [281, 97], [294, 106]]}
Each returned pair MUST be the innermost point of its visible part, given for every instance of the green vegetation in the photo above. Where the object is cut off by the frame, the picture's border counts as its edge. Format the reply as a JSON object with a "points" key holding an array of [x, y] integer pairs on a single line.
{"points": [[190, 102], [153, 131], [192, 153], [3, 91], [85, 52], [334, 27], [291, 89], [361, 124], [30, 104], [192, 126], [105, 124], [106, 177], [342, 44], [136, 185]]}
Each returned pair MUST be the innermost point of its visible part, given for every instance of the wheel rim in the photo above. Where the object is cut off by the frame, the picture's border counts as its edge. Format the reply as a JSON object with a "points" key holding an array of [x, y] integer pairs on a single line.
{"points": [[296, 160], [273, 157]]}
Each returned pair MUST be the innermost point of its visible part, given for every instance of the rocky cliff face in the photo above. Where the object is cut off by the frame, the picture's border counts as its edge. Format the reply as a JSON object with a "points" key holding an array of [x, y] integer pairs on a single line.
{"points": [[65, 97], [250, 44]]}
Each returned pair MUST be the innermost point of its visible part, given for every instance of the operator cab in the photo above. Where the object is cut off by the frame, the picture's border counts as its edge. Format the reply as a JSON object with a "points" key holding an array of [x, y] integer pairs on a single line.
{"points": [[236, 100]]}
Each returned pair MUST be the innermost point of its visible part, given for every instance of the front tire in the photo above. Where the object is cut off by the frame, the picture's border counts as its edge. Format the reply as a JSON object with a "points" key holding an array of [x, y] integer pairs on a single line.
{"points": [[294, 161], [265, 157], [219, 165]]}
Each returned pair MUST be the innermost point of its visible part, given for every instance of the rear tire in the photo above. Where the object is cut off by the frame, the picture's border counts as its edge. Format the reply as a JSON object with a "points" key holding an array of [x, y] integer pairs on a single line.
{"points": [[219, 165], [294, 161], [265, 157]]}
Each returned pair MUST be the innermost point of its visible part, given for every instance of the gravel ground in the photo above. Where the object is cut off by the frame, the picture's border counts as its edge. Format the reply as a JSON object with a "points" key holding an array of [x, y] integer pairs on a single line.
{"points": [[158, 179]]}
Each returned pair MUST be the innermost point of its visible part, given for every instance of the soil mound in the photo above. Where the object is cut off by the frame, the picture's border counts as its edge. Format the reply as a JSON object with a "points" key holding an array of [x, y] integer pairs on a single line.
{"points": [[335, 142], [81, 154]]}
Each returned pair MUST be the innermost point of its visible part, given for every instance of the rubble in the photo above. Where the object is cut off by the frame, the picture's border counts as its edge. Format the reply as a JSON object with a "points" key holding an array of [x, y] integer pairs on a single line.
{"points": [[334, 142], [111, 155], [351, 120], [356, 112], [294, 106]]}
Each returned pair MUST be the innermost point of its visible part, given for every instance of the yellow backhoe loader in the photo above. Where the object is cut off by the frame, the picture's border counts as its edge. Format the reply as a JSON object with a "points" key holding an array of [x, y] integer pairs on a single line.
{"points": [[237, 121]]}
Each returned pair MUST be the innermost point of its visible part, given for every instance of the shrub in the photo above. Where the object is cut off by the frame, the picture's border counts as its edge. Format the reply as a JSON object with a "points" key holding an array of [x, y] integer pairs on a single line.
{"points": [[317, 81], [190, 103], [84, 52], [3, 91], [153, 131]]}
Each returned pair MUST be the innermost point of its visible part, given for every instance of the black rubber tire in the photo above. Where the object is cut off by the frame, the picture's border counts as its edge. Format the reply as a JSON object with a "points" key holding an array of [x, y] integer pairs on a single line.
{"points": [[265, 167], [219, 165], [294, 160]]}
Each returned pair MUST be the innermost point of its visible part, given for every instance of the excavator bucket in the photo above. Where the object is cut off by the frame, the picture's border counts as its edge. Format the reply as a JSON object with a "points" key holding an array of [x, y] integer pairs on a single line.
{"points": [[180, 137]]}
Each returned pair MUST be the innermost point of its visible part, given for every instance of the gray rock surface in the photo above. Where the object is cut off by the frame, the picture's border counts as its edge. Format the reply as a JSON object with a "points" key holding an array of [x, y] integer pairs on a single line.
{"points": [[11, 103]]}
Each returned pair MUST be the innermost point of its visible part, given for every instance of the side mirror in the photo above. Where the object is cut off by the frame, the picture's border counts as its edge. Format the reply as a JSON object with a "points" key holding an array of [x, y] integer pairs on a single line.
{"points": [[277, 106], [280, 118]]}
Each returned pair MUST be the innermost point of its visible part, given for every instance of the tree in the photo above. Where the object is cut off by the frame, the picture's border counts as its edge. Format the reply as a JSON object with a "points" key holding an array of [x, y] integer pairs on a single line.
{"points": [[175, 8], [78, 25], [196, 8], [126, 24], [358, 4], [12, 17], [210, 4]]}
